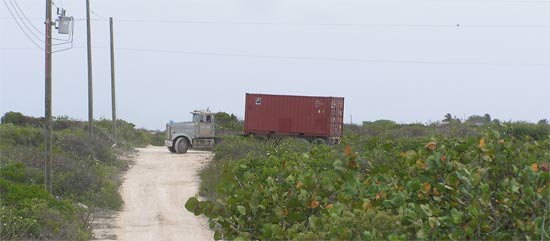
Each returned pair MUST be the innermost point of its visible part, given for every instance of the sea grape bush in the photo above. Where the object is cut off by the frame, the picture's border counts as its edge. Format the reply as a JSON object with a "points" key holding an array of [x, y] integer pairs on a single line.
{"points": [[490, 186]]}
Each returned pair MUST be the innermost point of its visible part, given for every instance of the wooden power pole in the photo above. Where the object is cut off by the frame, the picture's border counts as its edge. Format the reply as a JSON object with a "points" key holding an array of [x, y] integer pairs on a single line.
{"points": [[48, 99], [113, 99], [90, 87]]}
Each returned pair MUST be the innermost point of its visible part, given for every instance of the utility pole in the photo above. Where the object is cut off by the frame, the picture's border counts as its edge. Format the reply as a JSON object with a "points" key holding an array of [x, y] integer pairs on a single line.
{"points": [[113, 100], [48, 99], [90, 89]]}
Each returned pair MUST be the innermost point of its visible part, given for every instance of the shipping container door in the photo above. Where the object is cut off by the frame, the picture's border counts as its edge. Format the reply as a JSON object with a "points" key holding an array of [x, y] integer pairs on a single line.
{"points": [[337, 117]]}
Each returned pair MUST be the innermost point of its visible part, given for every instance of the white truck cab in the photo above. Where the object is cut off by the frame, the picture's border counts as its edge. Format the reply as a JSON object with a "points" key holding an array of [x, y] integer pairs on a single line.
{"points": [[198, 134]]}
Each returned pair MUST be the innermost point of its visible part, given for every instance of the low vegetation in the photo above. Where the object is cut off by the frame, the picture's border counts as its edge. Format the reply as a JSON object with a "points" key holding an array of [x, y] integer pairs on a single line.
{"points": [[386, 181], [85, 175]]}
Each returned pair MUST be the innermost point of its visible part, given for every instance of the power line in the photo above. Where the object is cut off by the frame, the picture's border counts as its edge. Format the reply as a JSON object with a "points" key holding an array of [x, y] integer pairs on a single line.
{"points": [[328, 59], [24, 49], [24, 15], [21, 27], [308, 58], [39, 38], [371, 25], [21, 16], [65, 41], [100, 16], [525, 2], [397, 25]]}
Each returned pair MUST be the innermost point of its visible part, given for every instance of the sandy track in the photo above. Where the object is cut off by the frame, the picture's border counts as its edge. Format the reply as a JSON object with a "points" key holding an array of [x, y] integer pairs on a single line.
{"points": [[154, 191]]}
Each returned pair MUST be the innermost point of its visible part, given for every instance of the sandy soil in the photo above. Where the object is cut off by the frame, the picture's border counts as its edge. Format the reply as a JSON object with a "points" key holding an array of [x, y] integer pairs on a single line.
{"points": [[155, 190]]}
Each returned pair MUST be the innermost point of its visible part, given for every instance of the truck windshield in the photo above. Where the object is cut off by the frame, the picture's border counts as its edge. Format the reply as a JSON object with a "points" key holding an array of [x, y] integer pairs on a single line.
{"points": [[197, 118]]}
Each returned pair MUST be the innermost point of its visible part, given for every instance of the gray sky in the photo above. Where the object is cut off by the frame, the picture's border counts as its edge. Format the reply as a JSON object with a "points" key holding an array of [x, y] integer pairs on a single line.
{"points": [[408, 61]]}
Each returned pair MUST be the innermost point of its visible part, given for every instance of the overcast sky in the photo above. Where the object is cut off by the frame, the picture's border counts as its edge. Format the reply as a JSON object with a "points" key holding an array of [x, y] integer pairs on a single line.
{"points": [[407, 60]]}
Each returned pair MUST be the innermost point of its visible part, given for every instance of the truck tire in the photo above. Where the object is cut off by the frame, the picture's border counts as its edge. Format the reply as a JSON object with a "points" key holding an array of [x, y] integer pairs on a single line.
{"points": [[319, 141], [171, 149], [182, 144], [304, 140]]}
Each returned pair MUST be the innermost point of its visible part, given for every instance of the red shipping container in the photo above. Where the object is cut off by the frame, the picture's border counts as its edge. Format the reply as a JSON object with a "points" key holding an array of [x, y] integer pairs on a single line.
{"points": [[311, 117]]}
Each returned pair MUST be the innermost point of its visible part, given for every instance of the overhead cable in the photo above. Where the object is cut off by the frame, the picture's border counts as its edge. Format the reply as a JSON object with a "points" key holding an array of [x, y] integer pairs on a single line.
{"points": [[21, 27], [330, 59]]}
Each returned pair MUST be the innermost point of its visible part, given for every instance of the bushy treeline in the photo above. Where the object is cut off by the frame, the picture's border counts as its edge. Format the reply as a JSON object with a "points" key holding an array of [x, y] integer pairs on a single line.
{"points": [[227, 123], [85, 175], [386, 181], [449, 128]]}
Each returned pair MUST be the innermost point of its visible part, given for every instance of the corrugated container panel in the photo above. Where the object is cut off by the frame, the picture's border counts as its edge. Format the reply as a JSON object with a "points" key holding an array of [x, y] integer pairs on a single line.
{"points": [[294, 115]]}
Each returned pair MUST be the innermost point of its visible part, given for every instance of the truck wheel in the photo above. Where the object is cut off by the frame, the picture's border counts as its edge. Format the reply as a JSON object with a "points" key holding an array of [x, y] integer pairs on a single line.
{"points": [[319, 141], [182, 145], [304, 140], [171, 149]]}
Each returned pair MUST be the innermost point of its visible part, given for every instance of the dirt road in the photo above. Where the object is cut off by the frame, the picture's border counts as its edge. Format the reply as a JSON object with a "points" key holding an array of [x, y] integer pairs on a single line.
{"points": [[155, 190]]}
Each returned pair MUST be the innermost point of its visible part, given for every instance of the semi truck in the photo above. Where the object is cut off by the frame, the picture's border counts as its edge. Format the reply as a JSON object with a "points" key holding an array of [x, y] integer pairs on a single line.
{"points": [[198, 133], [315, 119]]}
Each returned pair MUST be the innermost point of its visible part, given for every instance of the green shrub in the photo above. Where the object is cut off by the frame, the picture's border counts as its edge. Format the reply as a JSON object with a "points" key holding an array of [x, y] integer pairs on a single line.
{"points": [[492, 186], [535, 131], [15, 118], [19, 119], [85, 171], [19, 135], [232, 148], [29, 212], [227, 123], [157, 138], [66, 123]]}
